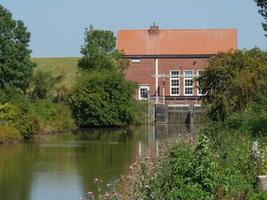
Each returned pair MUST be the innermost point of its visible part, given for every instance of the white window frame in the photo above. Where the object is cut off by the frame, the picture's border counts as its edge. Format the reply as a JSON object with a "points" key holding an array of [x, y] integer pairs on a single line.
{"points": [[188, 78], [136, 60], [139, 91], [175, 78], [198, 93]]}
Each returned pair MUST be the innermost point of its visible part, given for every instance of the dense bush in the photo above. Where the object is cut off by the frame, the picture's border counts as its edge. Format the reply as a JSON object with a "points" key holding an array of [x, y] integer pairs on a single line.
{"points": [[35, 116], [52, 117], [233, 80], [103, 99], [24, 122]]}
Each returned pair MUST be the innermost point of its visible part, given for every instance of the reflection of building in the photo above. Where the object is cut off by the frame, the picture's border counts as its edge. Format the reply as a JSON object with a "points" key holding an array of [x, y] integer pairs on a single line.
{"points": [[157, 134], [165, 62]]}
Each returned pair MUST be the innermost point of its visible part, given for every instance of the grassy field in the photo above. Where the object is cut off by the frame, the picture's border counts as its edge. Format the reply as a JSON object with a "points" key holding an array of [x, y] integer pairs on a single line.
{"points": [[57, 66]]}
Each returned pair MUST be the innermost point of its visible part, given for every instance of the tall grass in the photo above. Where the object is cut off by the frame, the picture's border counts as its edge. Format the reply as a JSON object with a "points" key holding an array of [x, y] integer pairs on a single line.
{"points": [[9, 134], [67, 66]]}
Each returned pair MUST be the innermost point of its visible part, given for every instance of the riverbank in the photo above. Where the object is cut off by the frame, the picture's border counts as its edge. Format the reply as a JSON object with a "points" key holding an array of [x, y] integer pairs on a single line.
{"points": [[22, 118]]}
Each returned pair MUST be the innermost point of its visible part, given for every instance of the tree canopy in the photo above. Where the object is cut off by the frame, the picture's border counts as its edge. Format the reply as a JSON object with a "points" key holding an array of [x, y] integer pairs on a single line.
{"points": [[101, 96], [99, 51], [15, 64], [232, 80], [262, 4]]}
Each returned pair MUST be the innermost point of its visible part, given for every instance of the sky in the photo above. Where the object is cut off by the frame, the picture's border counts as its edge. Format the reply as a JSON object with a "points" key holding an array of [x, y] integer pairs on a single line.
{"points": [[57, 26]]}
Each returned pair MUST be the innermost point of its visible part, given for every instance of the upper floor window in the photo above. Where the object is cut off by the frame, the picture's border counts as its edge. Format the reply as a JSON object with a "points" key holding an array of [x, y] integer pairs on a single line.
{"points": [[188, 83], [174, 83]]}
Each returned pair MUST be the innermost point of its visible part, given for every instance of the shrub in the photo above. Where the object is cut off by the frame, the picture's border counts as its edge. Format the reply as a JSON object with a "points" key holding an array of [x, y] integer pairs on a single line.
{"points": [[206, 170], [52, 117], [12, 116], [103, 99], [233, 80], [9, 134]]}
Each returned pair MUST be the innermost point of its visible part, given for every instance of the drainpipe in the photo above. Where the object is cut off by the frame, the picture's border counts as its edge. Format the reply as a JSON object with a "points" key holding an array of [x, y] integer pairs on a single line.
{"points": [[157, 79], [163, 88]]}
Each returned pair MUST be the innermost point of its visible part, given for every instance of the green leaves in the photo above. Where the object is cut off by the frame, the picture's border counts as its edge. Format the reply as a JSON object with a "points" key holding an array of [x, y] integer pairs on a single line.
{"points": [[233, 80], [43, 83], [103, 99], [15, 65], [99, 52], [262, 4]]}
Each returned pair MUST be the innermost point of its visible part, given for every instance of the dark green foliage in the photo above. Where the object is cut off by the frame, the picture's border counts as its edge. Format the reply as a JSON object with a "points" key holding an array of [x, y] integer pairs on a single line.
{"points": [[233, 80], [262, 4], [99, 52], [193, 172], [15, 64], [103, 99]]}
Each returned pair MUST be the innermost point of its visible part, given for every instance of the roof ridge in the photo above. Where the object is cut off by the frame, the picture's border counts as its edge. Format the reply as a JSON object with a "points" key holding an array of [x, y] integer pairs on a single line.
{"points": [[182, 29]]}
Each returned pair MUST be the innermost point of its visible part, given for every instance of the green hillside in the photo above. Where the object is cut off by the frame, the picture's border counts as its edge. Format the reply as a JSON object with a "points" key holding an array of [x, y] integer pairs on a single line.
{"points": [[67, 65]]}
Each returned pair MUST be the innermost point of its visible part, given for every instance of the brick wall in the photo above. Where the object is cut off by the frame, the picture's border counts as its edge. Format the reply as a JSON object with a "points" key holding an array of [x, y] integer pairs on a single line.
{"points": [[142, 71]]}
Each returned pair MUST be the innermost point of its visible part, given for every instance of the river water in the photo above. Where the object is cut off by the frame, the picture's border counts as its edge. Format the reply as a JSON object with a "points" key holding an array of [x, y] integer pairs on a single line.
{"points": [[64, 168]]}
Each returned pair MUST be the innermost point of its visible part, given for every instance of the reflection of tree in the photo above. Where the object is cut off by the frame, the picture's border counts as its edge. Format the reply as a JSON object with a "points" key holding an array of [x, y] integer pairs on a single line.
{"points": [[15, 172], [108, 156], [112, 135]]}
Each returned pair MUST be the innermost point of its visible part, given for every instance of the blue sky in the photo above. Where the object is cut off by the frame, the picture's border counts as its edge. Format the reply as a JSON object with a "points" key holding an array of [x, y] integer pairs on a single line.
{"points": [[57, 26]]}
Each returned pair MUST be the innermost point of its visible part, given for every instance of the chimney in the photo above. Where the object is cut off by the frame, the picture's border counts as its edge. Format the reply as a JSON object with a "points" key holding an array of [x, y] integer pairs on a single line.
{"points": [[153, 29]]}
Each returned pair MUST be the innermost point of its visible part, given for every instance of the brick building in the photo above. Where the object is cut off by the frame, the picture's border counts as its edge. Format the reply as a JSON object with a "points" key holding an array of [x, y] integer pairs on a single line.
{"points": [[164, 63]]}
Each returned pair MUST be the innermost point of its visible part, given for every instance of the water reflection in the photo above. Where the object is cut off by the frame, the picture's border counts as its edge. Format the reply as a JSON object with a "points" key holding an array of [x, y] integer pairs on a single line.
{"points": [[66, 168], [16, 167]]}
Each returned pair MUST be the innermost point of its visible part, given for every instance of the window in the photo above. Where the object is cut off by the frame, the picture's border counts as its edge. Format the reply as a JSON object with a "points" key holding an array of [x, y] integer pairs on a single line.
{"points": [[188, 83], [174, 83], [199, 90], [143, 92], [136, 61]]}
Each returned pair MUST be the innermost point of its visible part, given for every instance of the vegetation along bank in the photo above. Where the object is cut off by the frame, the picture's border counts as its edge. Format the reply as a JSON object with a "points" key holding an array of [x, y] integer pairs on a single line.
{"points": [[55, 95]]}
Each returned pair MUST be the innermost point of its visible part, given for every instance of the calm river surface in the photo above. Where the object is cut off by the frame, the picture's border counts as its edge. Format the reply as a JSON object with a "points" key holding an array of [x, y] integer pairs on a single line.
{"points": [[64, 168]]}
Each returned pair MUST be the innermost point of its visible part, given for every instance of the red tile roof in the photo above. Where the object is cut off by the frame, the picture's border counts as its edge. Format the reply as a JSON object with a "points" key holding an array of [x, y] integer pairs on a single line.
{"points": [[176, 42]]}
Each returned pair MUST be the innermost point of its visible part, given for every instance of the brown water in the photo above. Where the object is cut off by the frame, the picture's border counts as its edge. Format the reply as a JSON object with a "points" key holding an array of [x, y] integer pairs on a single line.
{"points": [[65, 167]]}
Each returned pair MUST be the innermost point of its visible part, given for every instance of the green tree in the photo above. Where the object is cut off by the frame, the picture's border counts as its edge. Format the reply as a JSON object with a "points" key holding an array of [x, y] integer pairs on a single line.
{"points": [[15, 64], [103, 99], [232, 80], [99, 51], [262, 4]]}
